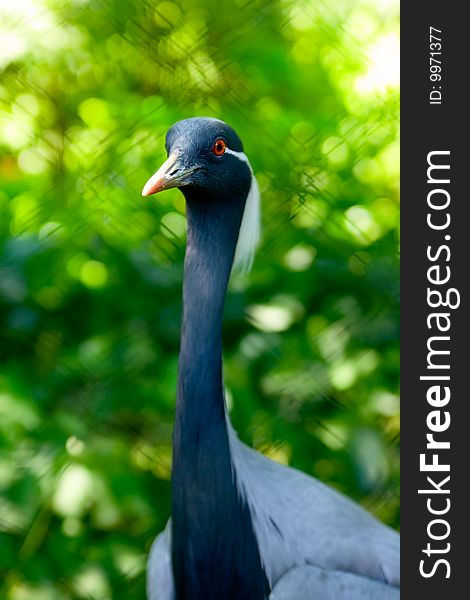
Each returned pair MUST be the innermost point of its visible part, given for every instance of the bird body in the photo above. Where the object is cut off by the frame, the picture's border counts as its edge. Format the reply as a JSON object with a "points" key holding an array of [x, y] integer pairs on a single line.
{"points": [[311, 538], [243, 527]]}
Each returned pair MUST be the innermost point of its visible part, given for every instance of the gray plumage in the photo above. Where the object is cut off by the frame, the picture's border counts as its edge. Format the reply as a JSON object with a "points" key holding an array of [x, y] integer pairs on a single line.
{"points": [[314, 542], [312, 582], [241, 522]]}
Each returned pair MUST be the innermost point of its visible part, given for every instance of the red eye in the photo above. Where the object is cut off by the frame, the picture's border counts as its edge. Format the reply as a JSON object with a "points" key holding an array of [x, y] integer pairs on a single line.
{"points": [[219, 147]]}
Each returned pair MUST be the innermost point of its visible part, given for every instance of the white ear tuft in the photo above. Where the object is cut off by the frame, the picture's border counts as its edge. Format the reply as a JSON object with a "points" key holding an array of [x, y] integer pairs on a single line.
{"points": [[249, 234], [248, 237]]}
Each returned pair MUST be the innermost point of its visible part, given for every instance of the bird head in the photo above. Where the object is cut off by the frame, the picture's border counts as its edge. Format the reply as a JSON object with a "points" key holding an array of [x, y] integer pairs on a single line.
{"points": [[202, 153], [206, 161]]}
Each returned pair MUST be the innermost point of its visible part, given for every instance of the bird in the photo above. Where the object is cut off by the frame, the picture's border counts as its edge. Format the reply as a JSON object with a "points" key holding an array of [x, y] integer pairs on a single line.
{"points": [[243, 526]]}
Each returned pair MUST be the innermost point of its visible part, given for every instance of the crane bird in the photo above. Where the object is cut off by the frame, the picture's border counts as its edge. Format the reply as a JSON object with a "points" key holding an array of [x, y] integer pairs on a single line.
{"points": [[243, 527]]}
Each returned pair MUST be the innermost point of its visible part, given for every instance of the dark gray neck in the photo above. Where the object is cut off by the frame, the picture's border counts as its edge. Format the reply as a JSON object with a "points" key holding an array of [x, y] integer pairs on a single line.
{"points": [[214, 550], [212, 238]]}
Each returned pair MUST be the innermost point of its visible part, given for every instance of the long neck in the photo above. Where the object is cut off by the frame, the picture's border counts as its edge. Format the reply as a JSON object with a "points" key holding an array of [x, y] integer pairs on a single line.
{"points": [[214, 551], [212, 237]]}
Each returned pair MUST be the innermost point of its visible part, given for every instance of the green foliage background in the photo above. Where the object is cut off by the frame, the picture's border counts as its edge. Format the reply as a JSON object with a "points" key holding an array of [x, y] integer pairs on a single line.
{"points": [[90, 273]]}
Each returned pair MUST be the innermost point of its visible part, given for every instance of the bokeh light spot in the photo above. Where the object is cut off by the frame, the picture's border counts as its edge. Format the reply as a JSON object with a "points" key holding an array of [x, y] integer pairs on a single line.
{"points": [[94, 274]]}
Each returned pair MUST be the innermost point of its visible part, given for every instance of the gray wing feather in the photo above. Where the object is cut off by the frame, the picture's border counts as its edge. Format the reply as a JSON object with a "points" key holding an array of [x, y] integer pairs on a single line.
{"points": [[308, 582], [160, 584], [298, 521]]}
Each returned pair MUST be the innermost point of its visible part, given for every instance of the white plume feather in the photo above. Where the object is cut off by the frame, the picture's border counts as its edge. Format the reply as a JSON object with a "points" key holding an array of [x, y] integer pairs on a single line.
{"points": [[249, 234]]}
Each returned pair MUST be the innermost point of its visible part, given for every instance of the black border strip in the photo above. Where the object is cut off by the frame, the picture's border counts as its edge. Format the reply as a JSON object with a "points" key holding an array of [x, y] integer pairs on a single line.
{"points": [[426, 128]]}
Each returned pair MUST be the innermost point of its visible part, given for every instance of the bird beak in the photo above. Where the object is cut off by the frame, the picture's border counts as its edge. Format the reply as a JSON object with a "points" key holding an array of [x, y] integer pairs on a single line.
{"points": [[169, 175]]}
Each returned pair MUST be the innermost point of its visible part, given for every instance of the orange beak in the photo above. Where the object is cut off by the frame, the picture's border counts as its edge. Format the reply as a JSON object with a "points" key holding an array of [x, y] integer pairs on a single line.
{"points": [[168, 176]]}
